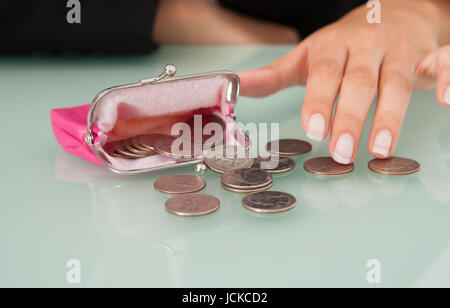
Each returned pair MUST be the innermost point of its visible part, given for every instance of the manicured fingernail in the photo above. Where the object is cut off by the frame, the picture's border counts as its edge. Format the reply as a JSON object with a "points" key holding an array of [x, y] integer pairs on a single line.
{"points": [[447, 95], [382, 143], [316, 127], [343, 151]]}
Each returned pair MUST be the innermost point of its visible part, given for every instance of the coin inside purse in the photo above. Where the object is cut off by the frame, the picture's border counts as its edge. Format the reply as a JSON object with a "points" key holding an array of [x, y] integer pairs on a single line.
{"points": [[123, 115]]}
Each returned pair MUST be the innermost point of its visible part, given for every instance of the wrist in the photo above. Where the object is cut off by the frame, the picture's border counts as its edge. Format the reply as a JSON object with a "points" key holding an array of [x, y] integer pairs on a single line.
{"points": [[438, 13]]}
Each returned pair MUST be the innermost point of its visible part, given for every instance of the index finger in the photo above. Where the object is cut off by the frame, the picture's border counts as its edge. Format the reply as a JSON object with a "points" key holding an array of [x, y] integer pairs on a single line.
{"points": [[285, 72]]}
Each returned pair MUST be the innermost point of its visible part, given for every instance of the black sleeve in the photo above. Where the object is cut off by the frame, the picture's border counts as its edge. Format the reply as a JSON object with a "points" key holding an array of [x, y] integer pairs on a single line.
{"points": [[105, 26], [306, 16]]}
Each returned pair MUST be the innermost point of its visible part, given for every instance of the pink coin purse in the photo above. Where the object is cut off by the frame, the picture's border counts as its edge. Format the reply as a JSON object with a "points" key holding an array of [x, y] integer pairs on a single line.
{"points": [[150, 106]]}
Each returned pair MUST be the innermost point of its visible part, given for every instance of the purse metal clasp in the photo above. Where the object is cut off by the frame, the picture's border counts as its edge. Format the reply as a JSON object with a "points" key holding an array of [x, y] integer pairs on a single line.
{"points": [[169, 71]]}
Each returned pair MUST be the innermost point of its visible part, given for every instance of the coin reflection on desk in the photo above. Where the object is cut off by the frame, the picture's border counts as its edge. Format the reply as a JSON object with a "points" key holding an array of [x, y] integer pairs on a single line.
{"points": [[192, 205]]}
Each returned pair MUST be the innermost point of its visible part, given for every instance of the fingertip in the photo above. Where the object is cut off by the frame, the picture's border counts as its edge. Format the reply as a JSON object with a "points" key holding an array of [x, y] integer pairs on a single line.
{"points": [[315, 128], [343, 150], [445, 99]]}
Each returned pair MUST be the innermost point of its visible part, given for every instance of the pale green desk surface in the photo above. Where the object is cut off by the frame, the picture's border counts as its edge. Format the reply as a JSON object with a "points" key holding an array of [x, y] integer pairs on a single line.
{"points": [[55, 207]]}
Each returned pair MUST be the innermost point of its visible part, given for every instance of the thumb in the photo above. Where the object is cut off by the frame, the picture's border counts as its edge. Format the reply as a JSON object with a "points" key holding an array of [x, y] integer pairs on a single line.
{"points": [[437, 65], [285, 72]]}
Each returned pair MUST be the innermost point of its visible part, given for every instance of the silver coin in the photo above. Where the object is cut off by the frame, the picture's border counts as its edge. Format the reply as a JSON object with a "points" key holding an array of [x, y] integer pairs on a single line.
{"points": [[246, 191], [246, 178], [119, 147], [269, 202], [289, 147], [273, 165], [326, 166], [394, 166], [165, 146], [148, 141], [192, 205], [137, 145], [129, 146], [225, 158], [179, 184]]}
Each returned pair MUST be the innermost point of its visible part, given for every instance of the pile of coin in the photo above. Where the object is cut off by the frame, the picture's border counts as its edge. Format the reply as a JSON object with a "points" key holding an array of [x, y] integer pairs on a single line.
{"points": [[246, 180], [274, 164], [226, 158], [242, 174], [151, 144]]}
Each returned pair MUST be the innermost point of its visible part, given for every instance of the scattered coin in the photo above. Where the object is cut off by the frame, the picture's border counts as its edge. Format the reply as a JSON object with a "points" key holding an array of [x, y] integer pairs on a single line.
{"points": [[246, 191], [394, 166], [179, 184], [269, 202], [289, 147], [326, 166], [165, 146], [226, 158], [191, 205], [278, 164], [246, 178]]}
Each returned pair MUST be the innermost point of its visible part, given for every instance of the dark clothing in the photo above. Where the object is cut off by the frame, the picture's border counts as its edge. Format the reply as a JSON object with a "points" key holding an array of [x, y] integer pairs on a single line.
{"points": [[126, 26], [106, 26], [305, 15]]}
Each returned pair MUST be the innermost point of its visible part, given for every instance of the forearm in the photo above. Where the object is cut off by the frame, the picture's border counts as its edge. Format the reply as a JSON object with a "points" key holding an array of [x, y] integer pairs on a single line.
{"points": [[443, 6], [437, 13], [200, 22]]}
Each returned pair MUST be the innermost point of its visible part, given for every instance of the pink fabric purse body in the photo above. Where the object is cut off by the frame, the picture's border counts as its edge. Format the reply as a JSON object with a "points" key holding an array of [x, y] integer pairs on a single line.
{"points": [[149, 106]]}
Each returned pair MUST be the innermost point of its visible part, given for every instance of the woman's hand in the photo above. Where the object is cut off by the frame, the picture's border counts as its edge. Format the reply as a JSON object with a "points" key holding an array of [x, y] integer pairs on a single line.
{"points": [[356, 59]]}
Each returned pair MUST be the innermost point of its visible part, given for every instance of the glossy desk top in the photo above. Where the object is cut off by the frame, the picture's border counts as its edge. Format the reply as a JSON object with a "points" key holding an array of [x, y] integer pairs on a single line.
{"points": [[55, 207]]}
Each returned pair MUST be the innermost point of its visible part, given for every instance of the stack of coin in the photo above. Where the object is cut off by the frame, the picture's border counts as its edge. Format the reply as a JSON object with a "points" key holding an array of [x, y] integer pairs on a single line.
{"points": [[246, 180], [225, 158], [151, 144], [184, 149], [131, 148], [269, 202]]}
